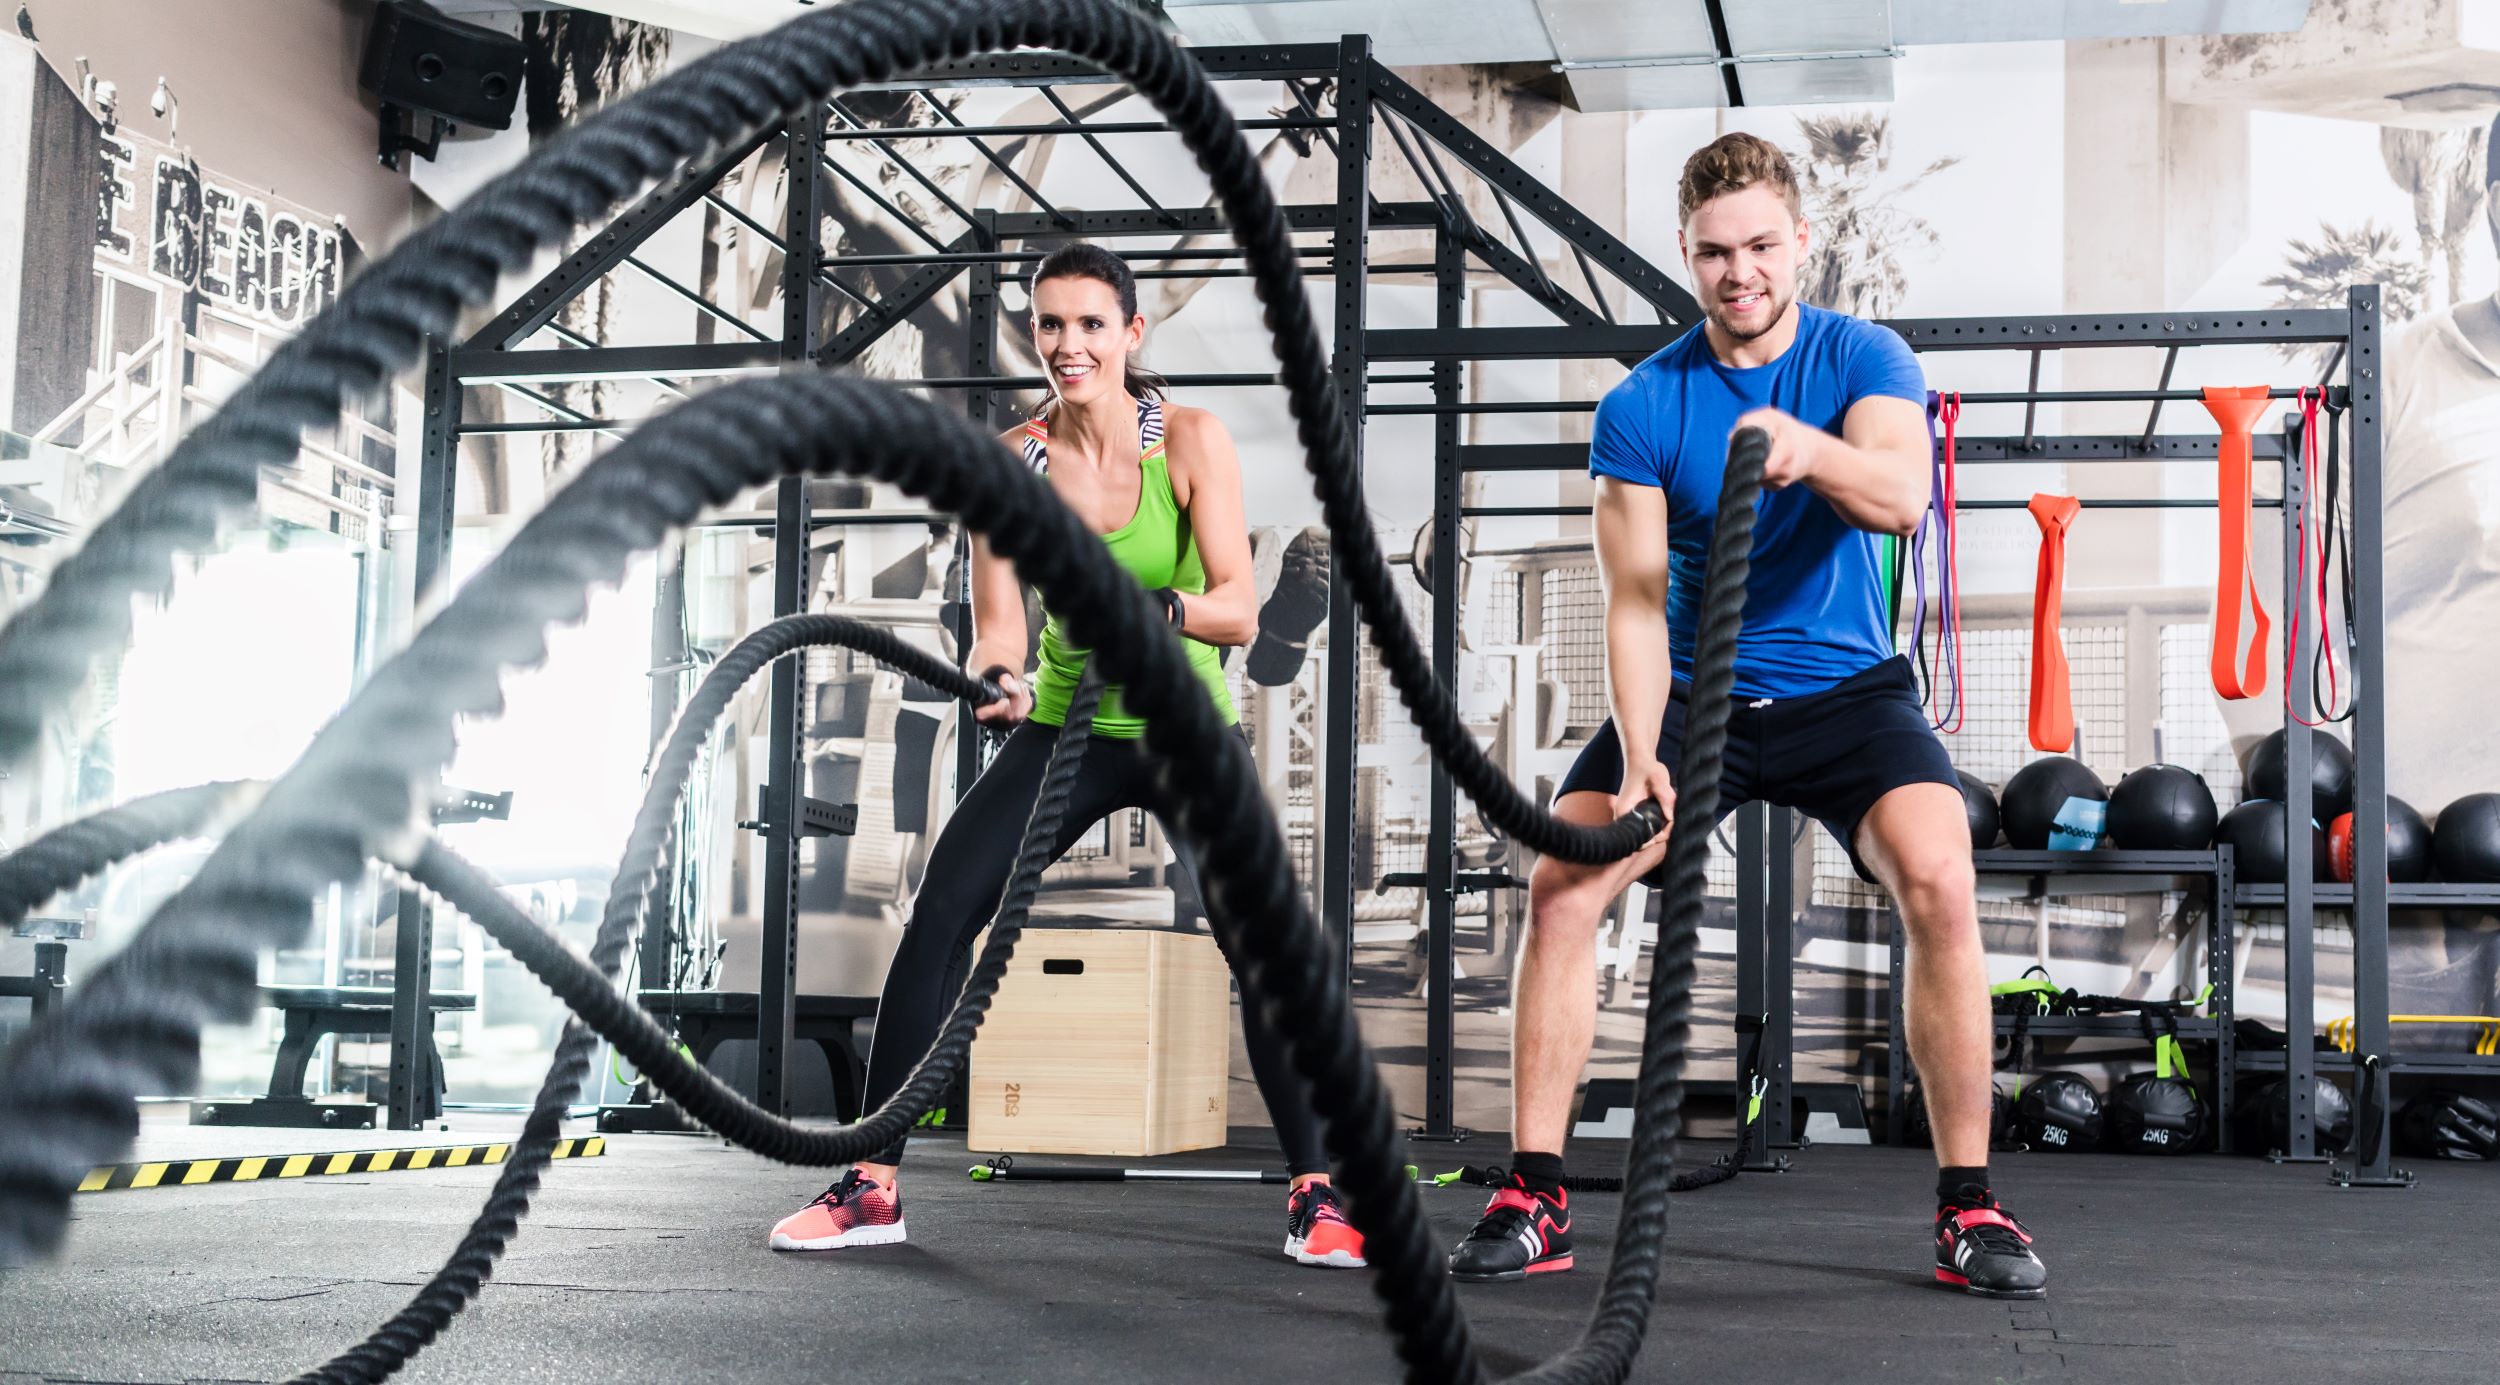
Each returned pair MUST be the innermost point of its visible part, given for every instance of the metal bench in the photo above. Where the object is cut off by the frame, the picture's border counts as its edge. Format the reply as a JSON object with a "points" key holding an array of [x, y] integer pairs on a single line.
{"points": [[313, 1013]]}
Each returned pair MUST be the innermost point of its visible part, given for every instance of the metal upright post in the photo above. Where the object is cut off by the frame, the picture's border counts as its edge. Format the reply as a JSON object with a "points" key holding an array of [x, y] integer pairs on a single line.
{"points": [[1340, 708], [412, 1097], [980, 360], [669, 656], [2370, 1167], [1752, 901], [785, 787], [2219, 969], [1779, 976], [1440, 860], [2300, 866]]}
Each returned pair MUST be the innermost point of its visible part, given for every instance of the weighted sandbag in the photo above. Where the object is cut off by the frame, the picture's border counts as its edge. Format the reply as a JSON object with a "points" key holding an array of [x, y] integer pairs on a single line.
{"points": [[2408, 845], [1979, 804], [2000, 1118], [2466, 844], [2060, 1111], [2449, 1125], [2054, 802], [2263, 1122], [1293, 610], [2330, 774], [2161, 808], [2254, 832], [2152, 1114]]}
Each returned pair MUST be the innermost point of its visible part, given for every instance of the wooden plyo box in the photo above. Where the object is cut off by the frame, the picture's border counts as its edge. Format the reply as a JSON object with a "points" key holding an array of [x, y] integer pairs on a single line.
{"points": [[1104, 1041]]}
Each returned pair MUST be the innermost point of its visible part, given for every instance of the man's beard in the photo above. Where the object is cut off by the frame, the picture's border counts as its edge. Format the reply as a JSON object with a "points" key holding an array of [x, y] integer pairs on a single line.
{"points": [[1771, 319]]}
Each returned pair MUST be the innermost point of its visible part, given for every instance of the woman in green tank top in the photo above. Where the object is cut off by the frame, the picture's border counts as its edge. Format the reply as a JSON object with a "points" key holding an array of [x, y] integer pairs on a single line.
{"points": [[1161, 484]]}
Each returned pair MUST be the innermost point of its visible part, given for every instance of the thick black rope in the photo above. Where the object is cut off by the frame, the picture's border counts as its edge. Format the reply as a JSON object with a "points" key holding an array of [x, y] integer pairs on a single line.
{"points": [[69, 855], [272, 867], [588, 984]]}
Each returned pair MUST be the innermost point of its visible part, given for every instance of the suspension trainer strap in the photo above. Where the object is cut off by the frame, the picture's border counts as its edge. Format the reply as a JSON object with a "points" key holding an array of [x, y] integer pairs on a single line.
{"points": [[2052, 701], [2235, 408]]}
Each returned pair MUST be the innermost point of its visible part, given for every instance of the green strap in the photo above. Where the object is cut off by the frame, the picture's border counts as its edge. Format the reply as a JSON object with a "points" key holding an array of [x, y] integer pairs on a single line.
{"points": [[1753, 1103], [2169, 1059], [1889, 570]]}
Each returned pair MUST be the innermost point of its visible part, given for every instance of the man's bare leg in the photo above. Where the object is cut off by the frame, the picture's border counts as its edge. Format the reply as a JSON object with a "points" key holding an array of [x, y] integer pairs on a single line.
{"points": [[1554, 993]]}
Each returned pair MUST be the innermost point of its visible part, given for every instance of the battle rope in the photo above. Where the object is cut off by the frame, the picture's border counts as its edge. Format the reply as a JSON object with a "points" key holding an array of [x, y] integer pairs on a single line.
{"points": [[257, 885]]}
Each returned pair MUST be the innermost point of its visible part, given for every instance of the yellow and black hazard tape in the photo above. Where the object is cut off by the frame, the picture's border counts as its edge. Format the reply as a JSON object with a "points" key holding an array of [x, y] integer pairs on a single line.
{"points": [[183, 1173]]}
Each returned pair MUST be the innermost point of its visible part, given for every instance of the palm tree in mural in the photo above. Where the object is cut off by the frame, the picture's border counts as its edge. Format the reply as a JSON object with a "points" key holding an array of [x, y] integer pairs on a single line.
{"points": [[575, 63], [1862, 238], [2316, 275]]}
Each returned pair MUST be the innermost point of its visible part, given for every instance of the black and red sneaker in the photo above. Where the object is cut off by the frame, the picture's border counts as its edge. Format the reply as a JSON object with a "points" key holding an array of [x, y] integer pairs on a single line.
{"points": [[1524, 1231], [1981, 1250]]}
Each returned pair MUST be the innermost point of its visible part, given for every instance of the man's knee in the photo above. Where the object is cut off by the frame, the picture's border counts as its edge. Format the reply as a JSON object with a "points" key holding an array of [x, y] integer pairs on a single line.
{"points": [[1565, 900], [1936, 889]]}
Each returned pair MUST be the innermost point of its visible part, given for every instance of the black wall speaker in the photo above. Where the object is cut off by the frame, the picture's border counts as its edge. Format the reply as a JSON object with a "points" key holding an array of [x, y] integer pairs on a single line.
{"points": [[429, 63]]}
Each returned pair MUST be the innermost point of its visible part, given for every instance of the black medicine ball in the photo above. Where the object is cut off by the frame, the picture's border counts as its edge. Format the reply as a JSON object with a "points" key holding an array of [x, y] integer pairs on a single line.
{"points": [[2058, 1110], [2330, 774], [1980, 805], [2254, 832], [2467, 841], [2449, 1125], [2054, 802], [2161, 808], [2263, 1122], [2151, 1114]]}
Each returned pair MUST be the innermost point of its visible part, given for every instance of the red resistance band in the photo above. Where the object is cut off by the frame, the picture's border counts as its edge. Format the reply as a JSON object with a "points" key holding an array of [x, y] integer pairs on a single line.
{"points": [[2311, 400], [2052, 701], [2236, 408]]}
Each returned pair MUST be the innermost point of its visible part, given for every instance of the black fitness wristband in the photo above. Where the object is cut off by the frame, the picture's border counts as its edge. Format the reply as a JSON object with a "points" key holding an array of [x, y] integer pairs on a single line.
{"points": [[1174, 614]]}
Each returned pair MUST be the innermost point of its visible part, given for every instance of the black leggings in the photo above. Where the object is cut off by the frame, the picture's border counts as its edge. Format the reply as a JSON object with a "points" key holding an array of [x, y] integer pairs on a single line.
{"points": [[967, 875]]}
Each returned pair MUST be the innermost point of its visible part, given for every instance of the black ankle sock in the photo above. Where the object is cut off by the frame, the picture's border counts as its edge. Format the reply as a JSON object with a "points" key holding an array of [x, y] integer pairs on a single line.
{"points": [[1542, 1173], [1962, 1187]]}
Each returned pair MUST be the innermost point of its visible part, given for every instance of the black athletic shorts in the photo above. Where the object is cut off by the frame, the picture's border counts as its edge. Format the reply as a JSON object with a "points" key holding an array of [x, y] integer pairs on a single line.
{"points": [[1829, 755]]}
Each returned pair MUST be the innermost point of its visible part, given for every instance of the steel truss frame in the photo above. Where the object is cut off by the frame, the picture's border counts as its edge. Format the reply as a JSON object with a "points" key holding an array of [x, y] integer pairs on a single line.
{"points": [[835, 310]]}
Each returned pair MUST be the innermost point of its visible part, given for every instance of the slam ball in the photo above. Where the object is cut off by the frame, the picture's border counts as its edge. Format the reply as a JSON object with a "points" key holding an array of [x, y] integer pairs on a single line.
{"points": [[2161, 808], [2254, 832], [2408, 844], [1980, 806], [2330, 774], [2054, 803], [2467, 841]]}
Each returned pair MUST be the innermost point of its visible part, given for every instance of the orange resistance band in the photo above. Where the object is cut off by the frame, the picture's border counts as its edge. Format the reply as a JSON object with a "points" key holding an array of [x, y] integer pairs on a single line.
{"points": [[2236, 409], [2052, 702]]}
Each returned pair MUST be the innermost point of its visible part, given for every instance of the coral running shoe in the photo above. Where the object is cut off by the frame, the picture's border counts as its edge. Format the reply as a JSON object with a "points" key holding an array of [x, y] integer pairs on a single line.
{"points": [[1524, 1231], [858, 1211], [1317, 1232]]}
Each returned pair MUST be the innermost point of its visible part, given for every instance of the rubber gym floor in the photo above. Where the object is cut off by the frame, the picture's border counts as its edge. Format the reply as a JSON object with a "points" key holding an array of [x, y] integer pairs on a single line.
{"points": [[648, 1264]]}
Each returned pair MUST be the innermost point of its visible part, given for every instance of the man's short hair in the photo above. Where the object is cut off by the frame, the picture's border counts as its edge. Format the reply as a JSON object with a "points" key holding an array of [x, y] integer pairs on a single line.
{"points": [[1732, 163]]}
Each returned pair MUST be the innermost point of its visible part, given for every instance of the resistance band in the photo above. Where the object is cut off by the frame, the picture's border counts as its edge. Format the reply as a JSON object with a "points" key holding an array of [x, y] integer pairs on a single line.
{"points": [[2301, 568], [2052, 703], [1947, 408], [2235, 408]]}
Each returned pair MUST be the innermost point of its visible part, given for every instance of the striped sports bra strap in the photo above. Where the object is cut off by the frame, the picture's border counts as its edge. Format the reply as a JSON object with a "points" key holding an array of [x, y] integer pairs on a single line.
{"points": [[1149, 435]]}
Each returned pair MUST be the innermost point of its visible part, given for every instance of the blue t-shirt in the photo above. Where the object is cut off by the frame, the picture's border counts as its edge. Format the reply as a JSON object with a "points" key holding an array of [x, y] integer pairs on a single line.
{"points": [[1814, 613]]}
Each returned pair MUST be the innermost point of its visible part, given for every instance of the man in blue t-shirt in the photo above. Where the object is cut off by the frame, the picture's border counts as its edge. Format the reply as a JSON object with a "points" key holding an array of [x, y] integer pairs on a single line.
{"points": [[1827, 719]]}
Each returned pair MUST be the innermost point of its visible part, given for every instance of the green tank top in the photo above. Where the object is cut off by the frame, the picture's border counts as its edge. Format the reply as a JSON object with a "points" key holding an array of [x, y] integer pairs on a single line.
{"points": [[1156, 548]]}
